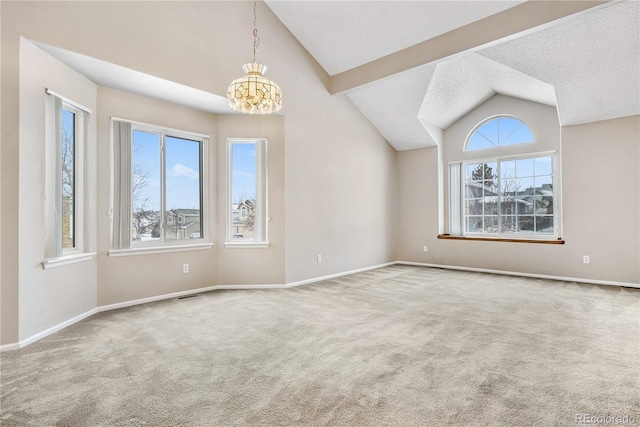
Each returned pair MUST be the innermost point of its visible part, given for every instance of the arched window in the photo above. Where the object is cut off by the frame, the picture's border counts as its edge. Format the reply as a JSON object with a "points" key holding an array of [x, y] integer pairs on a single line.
{"points": [[499, 132], [504, 194]]}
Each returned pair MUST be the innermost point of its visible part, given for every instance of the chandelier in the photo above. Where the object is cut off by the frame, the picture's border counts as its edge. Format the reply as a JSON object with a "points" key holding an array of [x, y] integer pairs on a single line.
{"points": [[252, 93]]}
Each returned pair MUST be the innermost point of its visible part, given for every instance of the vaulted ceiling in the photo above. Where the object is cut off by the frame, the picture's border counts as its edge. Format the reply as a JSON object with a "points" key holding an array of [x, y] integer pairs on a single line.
{"points": [[414, 68]]}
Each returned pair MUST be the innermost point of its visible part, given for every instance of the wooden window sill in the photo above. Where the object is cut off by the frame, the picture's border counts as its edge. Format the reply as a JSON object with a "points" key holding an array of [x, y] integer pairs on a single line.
{"points": [[557, 241]]}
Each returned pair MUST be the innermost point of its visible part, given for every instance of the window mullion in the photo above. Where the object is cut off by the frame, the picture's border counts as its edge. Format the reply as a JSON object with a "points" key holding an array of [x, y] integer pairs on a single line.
{"points": [[499, 194], [163, 190]]}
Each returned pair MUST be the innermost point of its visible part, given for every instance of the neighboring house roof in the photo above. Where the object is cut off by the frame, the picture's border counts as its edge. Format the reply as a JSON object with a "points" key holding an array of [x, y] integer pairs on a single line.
{"points": [[185, 212], [248, 203]]}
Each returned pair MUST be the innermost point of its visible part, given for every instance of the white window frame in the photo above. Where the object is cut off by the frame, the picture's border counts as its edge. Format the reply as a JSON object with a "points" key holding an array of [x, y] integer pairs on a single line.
{"points": [[55, 254], [497, 117], [260, 231], [457, 198], [122, 243], [526, 150]]}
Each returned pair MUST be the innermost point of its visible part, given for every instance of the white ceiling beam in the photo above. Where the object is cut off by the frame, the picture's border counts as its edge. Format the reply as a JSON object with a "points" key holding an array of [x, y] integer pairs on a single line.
{"points": [[516, 20]]}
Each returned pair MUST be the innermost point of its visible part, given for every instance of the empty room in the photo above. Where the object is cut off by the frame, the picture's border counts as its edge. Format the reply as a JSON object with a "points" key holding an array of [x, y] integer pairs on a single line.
{"points": [[320, 213]]}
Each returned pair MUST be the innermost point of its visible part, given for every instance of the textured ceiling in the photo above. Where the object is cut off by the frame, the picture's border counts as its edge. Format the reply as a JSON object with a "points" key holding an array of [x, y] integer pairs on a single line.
{"points": [[461, 84], [593, 61], [586, 64]]}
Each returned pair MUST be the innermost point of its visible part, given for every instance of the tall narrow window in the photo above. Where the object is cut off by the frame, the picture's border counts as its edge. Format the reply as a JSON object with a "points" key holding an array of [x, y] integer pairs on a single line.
{"points": [[68, 171], [66, 125], [160, 186], [247, 194]]}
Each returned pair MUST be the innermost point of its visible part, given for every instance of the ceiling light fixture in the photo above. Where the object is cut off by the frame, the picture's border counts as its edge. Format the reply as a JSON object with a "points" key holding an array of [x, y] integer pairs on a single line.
{"points": [[252, 93]]}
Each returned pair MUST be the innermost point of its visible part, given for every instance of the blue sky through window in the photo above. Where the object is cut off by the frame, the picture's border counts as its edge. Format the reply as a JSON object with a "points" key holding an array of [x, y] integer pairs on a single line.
{"points": [[182, 172], [243, 178], [498, 132]]}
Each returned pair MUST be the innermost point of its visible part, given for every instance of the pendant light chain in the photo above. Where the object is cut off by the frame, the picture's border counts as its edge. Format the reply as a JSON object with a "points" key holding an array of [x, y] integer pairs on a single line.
{"points": [[256, 39]]}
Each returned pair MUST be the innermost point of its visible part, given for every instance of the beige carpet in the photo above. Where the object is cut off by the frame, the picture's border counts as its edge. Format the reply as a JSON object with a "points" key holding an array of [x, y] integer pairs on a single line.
{"points": [[404, 346]]}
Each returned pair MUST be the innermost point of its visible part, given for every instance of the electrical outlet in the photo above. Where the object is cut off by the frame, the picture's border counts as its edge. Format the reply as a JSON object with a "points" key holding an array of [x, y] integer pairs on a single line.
{"points": [[424, 248], [185, 268], [585, 259], [319, 258]]}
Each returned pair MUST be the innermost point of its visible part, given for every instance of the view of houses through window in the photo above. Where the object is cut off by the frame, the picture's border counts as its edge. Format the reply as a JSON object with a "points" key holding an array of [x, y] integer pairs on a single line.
{"points": [[243, 190], [509, 196], [166, 201]]}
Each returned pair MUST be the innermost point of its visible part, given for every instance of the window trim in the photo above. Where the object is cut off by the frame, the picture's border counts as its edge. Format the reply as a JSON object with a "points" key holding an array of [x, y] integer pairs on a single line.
{"points": [[558, 241], [262, 199], [497, 147], [55, 254], [78, 180], [121, 242]]}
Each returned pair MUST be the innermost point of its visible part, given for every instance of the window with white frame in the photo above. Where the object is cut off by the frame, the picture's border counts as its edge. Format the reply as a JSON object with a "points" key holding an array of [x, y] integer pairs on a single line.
{"points": [[247, 192], [159, 186], [509, 196], [66, 134]]}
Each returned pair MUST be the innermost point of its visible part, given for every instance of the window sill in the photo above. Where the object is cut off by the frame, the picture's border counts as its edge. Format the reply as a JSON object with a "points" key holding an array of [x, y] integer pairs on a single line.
{"points": [[158, 249], [67, 260], [557, 241], [246, 245]]}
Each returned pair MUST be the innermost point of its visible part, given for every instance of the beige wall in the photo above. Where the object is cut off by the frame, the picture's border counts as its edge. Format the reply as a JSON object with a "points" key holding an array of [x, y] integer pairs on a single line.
{"points": [[49, 297], [254, 265], [602, 198], [541, 119], [10, 52], [330, 170], [134, 277], [600, 203], [341, 191]]}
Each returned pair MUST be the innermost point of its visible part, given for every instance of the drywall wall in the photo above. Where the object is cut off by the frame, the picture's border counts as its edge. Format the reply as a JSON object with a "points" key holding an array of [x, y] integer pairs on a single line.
{"points": [[133, 277], [339, 173], [9, 307], [602, 198], [341, 189], [49, 297], [9, 318], [600, 202], [334, 158], [246, 265]]}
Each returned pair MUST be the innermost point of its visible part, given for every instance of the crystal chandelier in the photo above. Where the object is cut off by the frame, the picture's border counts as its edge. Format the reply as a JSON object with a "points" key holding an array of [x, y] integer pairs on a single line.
{"points": [[252, 93]]}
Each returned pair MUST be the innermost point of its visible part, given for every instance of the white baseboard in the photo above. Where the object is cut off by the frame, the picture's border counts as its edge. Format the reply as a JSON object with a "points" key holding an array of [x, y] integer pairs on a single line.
{"points": [[333, 276], [153, 299], [40, 335], [56, 328], [183, 293], [47, 332], [515, 273], [9, 347]]}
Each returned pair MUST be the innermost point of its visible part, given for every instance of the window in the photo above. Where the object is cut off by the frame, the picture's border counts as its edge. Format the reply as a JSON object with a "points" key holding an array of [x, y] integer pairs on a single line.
{"points": [[159, 186], [66, 127], [512, 196], [504, 196], [499, 132], [247, 192]]}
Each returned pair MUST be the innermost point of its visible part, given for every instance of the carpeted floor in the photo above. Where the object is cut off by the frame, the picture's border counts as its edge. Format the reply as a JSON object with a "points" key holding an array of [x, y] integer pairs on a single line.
{"points": [[402, 346]]}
